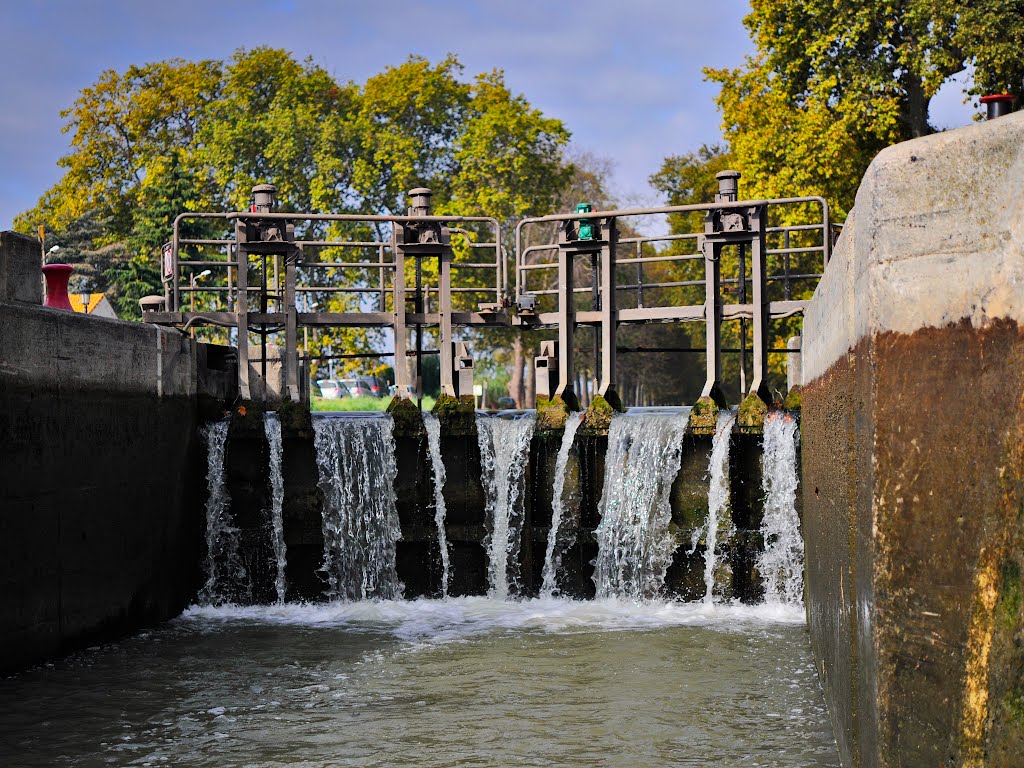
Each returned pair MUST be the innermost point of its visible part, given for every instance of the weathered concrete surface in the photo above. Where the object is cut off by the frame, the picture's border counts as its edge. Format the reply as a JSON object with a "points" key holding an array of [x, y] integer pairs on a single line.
{"points": [[100, 514], [21, 274], [913, 430]]}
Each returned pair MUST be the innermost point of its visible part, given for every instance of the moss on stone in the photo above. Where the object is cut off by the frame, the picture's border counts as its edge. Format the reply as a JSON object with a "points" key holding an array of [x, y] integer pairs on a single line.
{"points": [[751, 414], [599, 415], [408, 419], [703, 417], [794, 399], [456, 414], [295, 417], [551, 414]]}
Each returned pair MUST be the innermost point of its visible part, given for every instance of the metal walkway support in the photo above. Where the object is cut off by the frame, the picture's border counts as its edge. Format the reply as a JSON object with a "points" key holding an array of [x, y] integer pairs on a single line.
{"points": [[264, 243]]}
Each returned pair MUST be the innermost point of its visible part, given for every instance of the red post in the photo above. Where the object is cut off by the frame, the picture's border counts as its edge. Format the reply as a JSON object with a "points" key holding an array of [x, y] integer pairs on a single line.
{"points": [[57, 276]]}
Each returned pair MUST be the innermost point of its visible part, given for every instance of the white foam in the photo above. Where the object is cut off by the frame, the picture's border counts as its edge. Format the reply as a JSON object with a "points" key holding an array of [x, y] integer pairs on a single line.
{"points": [[454, 619]]}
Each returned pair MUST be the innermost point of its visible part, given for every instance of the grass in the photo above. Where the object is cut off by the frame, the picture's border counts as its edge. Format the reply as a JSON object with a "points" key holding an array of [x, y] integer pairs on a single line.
{"points": [[358, 403]]}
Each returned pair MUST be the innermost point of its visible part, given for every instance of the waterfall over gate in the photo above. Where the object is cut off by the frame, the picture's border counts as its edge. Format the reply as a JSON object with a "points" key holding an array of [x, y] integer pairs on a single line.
{"points": [[433, 427], [356, 461], [504, 456], [718, 528], [226, 577], [634, 543], [272, 427], [558, 539], [781, 563]]}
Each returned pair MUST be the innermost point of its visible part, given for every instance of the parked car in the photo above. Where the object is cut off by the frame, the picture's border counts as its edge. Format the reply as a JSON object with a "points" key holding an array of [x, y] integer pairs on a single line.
{"points": [[357, 387], [378, 387], [331, 389]]}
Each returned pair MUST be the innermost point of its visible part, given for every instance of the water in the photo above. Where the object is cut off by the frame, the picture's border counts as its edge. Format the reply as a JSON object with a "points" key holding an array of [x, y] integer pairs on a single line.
{"points": [[433, 427], [718, 528], [504, 448], [466, 681], [555, 548], [226, 577], [781, 563], [356, 462], [634, 543], [272, 428]]}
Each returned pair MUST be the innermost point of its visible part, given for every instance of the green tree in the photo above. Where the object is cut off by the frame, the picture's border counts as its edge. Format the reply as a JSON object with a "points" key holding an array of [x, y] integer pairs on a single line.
{"points": [[832, 84]]}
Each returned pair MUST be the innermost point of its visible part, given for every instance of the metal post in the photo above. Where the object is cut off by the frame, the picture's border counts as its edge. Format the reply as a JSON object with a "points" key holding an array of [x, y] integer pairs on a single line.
{"points": [[742, 298], [291, 341], [566, 322], [759, 381], [713, 319], [242, 309], [402, 383], [609, 315]]}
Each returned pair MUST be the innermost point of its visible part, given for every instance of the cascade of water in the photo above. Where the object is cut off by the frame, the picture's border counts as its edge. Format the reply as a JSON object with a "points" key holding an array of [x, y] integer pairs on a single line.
{"points": [[504, 446], [226, 577], [782, 561], [553, 553], [272, 428], [719, 528], [433, 426], [356, 462], [634, 543]]}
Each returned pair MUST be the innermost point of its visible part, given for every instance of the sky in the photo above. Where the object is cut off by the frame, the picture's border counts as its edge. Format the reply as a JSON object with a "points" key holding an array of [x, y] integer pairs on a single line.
{"points": [[623, 75]]}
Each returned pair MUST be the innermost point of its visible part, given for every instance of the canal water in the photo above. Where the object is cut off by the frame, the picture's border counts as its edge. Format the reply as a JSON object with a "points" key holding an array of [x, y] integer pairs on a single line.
{"points": [[456, 682]]}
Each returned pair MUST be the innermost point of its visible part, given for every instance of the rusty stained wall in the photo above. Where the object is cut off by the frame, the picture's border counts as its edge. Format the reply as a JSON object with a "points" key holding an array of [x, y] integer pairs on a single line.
{"points": [[912, 461]]}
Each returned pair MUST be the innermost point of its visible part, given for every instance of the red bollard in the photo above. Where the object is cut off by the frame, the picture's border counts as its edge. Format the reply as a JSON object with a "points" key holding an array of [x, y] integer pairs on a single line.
{"points": [[57, 276]]}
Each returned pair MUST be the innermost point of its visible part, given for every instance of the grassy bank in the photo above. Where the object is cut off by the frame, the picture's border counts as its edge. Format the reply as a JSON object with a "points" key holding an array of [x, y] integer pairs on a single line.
{"points": [[358, 403]]}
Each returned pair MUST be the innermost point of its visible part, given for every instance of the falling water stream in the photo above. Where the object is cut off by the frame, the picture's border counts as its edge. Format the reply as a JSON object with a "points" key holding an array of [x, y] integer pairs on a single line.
{"points": [[718, 528], [433, 427], [504, 454], [272, 428], [558, 540], [781, 563], [226, 577], [634, 543], [355, 457]]}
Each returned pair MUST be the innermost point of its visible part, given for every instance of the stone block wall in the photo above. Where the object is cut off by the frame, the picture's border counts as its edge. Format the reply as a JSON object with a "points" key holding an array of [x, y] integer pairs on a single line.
{"points": [[101, 479], [913, 438]]}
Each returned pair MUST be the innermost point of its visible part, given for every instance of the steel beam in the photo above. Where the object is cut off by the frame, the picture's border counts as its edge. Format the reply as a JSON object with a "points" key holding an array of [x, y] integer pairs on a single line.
{"points": [[758, 221], [242, 308], [607, 310]]}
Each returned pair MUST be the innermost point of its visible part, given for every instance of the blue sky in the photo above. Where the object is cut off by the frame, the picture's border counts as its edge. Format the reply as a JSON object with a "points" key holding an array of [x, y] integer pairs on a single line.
{"points": [[624, 75]]}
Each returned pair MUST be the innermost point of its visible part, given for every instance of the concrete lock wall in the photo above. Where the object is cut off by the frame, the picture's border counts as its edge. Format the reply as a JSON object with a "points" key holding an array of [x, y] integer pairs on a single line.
{"points": [[100, 480], [913, 456]]}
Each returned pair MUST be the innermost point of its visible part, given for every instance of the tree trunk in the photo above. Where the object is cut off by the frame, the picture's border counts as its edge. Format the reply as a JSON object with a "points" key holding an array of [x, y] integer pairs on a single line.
{"points": [[914, 112], [515, 383]]}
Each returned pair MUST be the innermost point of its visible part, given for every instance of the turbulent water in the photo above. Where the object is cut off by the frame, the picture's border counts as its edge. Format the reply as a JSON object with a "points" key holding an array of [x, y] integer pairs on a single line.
{"points": [[272, 427], [356, 461], [504, 455], [466, 681], [558, 539], [226, 577], [433, 427], [781, 563], [634, 543]]}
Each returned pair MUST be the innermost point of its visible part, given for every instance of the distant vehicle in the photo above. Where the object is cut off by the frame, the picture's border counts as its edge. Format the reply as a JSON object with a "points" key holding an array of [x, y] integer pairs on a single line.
{"points": [[357, 387], [504, 403], [330, 389], [378, 387]]}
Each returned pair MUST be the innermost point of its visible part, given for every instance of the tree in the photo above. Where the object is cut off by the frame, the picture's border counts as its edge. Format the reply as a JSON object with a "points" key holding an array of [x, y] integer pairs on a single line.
{"points": [[177, 136], [832, 84]]}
